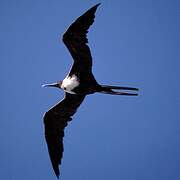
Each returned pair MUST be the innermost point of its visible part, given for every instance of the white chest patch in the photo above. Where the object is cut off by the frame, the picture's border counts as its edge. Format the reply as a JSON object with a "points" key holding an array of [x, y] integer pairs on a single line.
{"points": [[69, 83]]}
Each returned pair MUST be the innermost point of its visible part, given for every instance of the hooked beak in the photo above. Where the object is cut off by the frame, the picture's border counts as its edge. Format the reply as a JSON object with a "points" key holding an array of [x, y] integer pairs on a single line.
{"points": [[51, 85]]}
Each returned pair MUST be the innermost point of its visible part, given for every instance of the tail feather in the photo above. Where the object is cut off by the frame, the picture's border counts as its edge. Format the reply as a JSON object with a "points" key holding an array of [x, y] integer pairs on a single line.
{"points": [[110, 90], [119, 93], [120, 87]]}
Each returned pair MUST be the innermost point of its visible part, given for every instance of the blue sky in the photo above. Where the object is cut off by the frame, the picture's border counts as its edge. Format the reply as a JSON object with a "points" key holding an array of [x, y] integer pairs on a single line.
{"points": [[134, 43]]}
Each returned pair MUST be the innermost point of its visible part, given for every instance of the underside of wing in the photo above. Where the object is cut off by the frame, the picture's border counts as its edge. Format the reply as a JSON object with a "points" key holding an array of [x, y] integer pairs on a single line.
{"points": [[55, 120], [75, 39]]}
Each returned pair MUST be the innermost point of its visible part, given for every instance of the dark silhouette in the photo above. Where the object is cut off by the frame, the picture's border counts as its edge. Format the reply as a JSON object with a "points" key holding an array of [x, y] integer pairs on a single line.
{"points": [[78, 83]]}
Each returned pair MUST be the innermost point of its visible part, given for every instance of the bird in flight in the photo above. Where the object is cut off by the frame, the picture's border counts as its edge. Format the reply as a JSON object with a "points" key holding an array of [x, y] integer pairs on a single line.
{"points": [[78, 83]]}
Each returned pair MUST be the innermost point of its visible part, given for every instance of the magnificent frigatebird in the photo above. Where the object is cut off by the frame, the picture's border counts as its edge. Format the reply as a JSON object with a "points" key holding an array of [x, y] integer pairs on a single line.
{"points": [[77, 84]]}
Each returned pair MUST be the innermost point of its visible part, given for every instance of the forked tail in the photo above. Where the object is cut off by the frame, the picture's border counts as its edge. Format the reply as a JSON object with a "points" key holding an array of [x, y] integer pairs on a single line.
{"points": [[110, 90]]}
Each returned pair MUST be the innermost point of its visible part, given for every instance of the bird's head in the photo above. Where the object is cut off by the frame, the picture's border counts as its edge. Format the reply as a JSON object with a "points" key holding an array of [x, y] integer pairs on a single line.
{"points": [[56, 84]]}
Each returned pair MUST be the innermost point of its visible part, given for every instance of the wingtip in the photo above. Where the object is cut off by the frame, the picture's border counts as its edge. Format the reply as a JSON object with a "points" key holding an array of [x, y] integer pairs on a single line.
{"points": [[95, 6], [57, 174], [98, 4]]}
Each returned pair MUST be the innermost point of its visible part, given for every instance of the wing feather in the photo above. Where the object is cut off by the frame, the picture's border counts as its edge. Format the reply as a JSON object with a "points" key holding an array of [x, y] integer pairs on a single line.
{"points": [[55, 121], [75, 39]]}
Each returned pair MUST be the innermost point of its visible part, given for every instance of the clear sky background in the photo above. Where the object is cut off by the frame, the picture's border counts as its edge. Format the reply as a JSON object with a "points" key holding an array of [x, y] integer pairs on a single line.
{"points": [[134, 43]]}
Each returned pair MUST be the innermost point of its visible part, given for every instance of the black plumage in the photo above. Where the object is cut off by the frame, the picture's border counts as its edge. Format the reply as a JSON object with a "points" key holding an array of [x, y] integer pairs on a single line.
{"points": [[55, 121], [57, 118]]}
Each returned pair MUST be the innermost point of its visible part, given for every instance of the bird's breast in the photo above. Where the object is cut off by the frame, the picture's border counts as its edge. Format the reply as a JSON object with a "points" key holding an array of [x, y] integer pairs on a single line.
{"points": [[69, 83]]}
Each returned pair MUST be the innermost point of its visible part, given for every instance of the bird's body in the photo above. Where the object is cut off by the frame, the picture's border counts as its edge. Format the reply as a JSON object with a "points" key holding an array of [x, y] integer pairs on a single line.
{"points": [[74, 84], [70, 83], [77, 84]]}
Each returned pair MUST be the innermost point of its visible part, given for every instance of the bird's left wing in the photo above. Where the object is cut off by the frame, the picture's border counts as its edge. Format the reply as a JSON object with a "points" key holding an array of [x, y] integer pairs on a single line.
{"points": [[55, 120], [75, 39]]}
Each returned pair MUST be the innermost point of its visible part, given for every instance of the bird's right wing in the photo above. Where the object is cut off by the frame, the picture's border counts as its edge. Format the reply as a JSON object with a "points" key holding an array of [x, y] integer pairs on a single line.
{"points": [[55, 120], [75, 39]]}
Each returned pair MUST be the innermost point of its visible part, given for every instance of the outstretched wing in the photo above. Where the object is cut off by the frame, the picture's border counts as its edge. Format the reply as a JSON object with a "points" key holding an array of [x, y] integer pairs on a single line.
{"points": [[55, 120], [75, 39]]}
